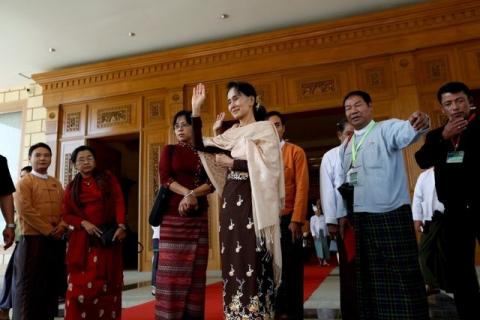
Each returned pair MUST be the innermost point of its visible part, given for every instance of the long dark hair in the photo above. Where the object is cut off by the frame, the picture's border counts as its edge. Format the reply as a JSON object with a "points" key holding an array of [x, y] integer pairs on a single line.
{"points": [[259, 111], [102, 178]]}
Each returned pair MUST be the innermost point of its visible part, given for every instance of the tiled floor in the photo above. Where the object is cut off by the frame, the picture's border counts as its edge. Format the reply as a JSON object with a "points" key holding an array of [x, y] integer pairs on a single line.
{"points": [[323, 304]]}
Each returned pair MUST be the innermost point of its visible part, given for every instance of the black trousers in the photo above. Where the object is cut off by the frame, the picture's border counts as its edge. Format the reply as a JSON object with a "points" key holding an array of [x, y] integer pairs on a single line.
{"points": [[38, 272], [348, 291], [431, 253], [289, 300], [461, 230]]}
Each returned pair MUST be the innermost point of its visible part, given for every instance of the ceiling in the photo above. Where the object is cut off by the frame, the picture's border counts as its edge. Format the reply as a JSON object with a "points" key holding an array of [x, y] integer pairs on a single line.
{"points": [[89, 31]]}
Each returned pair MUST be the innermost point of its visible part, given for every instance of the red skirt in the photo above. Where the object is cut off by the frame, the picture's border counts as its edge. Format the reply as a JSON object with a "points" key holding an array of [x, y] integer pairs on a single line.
{"points": [[182, 265], [96, 291]]}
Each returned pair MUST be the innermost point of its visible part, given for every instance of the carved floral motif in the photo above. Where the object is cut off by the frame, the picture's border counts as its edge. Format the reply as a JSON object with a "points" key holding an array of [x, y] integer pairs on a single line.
{"points": [[154, 157], [112, 117], [157, 109], [69, 170], [375, 78], [436, 70], [72, 121], [318, 88]]}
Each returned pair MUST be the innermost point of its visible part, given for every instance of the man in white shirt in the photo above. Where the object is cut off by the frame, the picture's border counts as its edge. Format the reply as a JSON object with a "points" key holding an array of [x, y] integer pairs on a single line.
{"points": [[330, 180], [427, 211]]}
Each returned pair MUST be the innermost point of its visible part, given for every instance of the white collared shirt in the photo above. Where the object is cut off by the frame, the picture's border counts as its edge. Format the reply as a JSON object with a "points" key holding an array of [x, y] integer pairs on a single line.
{"points": [[330, 180], [425, 201], [40, 175]]}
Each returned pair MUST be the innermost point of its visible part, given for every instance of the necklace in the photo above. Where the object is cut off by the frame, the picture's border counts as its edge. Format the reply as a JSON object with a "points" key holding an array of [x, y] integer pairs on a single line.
{"points": [[87, 181]]}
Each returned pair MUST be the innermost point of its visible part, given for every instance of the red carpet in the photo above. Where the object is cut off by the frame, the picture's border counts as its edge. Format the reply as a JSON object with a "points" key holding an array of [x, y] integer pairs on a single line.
{"points": [[314, 276]]}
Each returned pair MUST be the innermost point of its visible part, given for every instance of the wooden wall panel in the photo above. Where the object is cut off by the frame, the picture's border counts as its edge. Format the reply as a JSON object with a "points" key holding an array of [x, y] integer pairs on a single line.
{"points": [[74, 121], [114, 116], [318, 87], [434, 68], [155, 109], [376, 77], [469, 57], [404, 69], [152, 142], [381, 109]]}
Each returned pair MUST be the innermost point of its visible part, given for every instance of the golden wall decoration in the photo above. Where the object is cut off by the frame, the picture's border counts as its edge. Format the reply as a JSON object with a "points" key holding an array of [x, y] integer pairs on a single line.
{"points": [[375, 78], [157, 109], [437, 70], [155, 149], [315, 89], [116, 116]]}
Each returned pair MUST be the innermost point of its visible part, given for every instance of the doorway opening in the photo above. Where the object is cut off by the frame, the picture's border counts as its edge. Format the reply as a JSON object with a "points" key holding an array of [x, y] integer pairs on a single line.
{"points": [[120, 155], [314, 131]]}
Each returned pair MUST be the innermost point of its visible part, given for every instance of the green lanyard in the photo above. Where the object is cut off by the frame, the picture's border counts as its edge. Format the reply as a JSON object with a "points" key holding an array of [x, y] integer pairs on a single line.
{"points": [[355, 147]]}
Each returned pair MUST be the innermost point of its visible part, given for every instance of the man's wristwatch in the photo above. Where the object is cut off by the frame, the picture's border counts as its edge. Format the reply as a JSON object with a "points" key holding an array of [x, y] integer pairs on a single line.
{"points": [[11, 225]]}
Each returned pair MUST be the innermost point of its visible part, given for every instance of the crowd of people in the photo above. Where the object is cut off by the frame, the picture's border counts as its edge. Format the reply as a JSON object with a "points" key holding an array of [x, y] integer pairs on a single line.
{"points": [[70, 242]]}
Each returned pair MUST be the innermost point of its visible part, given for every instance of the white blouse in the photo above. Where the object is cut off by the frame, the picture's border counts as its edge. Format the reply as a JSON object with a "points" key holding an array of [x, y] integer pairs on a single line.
{"points": [[318, 226]]}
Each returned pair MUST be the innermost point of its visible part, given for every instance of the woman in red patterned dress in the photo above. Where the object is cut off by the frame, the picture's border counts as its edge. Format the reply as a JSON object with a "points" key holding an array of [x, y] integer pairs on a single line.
{"points": [[183, 245], [93, 207]]}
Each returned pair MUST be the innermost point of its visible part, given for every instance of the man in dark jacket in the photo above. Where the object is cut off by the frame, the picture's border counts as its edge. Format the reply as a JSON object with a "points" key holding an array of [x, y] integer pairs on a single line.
{"points": [[454, 151]]}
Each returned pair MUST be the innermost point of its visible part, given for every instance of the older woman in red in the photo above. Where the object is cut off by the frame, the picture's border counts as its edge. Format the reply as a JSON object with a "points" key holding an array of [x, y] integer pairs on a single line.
{"points": [[183, 245], [94, 208]]}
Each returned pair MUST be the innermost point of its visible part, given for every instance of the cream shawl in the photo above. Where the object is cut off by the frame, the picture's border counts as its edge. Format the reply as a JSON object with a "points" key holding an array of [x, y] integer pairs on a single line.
{"points": [[258, 143]]}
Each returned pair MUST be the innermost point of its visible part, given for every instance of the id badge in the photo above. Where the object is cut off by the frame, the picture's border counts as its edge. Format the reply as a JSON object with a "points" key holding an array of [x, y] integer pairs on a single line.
{"points": [[455, 157], [352, 176]]}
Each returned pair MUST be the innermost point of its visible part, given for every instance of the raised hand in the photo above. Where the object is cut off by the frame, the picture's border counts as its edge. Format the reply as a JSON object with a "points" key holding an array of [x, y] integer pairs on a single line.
{"points": [[217, 125], [454, 127], [419, 120], [198, 98]]}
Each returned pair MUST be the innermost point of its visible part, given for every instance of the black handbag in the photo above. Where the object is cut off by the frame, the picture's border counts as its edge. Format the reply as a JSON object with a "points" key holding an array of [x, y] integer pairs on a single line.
{"points": [[159, 207], [108, 231], [346, 190]]}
